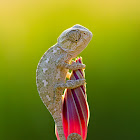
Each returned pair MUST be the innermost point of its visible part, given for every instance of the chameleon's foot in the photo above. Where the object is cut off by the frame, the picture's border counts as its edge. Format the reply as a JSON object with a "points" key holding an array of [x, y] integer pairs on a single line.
{"points": [[74, 136]]}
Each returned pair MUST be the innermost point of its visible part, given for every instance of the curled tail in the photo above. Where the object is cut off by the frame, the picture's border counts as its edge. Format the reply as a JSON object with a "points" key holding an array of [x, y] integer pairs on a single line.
{"points": [[59, 132], [57, 116], [74, 136]]}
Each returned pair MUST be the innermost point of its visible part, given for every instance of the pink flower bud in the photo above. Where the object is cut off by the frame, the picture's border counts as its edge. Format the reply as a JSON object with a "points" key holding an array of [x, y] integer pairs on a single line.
{"points": [[75, 111]]}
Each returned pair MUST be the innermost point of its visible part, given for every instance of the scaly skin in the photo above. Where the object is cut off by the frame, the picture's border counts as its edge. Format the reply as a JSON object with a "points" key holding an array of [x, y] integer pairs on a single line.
{"points": [[53, 68]]}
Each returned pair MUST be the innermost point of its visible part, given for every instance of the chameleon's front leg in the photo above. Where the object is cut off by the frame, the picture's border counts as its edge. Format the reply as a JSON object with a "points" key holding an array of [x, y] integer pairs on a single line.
{"points": [[74, 66]]}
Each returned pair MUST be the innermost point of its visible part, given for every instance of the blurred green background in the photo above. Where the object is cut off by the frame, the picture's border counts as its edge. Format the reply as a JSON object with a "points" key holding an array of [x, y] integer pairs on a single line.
{"points": [[29, 27]]}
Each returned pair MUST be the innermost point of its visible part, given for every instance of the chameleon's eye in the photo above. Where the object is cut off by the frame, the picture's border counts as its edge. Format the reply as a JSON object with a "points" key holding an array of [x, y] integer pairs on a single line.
{"points": [[74, 35]]}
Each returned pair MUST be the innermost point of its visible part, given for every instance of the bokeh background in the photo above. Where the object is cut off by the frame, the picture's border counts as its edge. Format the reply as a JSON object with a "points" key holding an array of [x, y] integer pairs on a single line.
{"points": [[29, 27]]}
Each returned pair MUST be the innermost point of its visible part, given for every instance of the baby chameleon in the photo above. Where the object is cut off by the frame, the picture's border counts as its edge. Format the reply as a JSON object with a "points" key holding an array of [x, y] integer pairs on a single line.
{"points": [[53, 68]]}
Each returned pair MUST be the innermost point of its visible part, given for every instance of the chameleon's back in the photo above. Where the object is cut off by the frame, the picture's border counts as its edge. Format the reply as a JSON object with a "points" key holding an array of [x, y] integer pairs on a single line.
{"points": [[46, 75]]}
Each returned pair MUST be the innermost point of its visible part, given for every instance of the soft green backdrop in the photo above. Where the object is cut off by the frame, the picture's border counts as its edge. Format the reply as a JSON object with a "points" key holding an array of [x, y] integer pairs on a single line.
{"points": [[29, 27]]}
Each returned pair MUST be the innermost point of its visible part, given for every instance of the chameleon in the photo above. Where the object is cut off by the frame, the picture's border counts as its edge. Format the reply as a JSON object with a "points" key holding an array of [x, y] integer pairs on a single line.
{"points": [[53, 69]]}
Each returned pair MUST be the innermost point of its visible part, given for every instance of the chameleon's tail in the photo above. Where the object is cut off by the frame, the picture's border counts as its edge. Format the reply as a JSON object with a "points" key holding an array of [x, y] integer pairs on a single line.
{"points": [[59, 130], [74, 136], [56, 113]]}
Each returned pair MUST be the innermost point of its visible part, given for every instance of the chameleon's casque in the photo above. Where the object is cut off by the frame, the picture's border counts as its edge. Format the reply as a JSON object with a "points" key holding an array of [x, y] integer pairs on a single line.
{"points": [[53, 68]]}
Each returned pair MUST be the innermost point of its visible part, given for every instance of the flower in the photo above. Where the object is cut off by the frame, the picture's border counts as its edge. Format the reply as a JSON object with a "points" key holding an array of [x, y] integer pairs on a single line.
{"points": [[75, 110]]}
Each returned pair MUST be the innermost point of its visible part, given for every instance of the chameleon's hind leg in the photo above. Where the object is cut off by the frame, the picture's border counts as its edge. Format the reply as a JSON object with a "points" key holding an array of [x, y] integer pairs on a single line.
{"points": [[70, 84]]}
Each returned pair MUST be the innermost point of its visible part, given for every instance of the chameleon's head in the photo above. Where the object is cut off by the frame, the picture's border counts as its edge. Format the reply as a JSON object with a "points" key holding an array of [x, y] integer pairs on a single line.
{"points": [[74, 39]]}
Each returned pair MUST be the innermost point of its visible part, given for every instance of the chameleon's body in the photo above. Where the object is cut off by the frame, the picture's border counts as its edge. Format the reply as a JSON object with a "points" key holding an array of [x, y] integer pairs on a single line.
{"points": [[53, 68]]}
